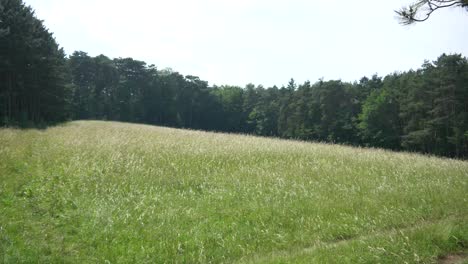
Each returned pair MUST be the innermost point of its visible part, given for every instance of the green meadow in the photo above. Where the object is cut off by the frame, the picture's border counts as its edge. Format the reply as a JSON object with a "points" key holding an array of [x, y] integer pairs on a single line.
{"points": [[109, 192]]}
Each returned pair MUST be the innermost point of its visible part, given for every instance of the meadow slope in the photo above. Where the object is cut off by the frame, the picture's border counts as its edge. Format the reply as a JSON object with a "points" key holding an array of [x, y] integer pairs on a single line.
{"points": [[108, 192]]}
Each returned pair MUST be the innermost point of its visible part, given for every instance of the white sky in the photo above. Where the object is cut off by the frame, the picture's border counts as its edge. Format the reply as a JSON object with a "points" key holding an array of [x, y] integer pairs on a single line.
{"points": [[259, 41]]}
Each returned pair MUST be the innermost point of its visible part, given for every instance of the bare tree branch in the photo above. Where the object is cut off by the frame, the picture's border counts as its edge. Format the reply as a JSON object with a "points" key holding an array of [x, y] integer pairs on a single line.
{"points": [[411, 14]]}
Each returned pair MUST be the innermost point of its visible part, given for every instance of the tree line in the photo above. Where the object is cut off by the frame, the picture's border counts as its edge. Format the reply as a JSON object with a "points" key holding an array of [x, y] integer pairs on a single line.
{"points": [[423, 110]]}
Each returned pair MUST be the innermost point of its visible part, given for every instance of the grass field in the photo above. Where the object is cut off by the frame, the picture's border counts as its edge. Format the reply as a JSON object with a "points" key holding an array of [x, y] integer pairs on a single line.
{"points": [[108, 192]]}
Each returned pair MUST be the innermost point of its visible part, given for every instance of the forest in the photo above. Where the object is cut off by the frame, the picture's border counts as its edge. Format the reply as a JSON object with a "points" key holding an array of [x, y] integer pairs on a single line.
{"points": [[423, 110]]}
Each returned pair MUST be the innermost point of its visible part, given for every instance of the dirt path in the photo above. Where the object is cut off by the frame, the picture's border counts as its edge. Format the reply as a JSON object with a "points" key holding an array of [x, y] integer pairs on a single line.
{"points": [[455, 258], [459, 258]]}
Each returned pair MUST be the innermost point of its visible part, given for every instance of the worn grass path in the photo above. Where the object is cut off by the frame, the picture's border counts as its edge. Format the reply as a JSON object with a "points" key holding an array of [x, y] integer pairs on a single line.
{"points": [[100, 192]]}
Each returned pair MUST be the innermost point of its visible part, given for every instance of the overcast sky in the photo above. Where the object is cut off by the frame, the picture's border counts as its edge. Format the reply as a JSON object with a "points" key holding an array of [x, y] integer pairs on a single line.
{"points": [[256, 41]]}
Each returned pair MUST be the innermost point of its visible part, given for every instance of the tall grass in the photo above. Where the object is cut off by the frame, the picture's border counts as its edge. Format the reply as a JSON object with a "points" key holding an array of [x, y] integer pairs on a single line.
{"points": [[107, 192]]}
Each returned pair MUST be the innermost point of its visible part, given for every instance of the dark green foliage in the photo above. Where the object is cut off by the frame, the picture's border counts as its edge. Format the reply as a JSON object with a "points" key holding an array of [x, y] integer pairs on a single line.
{"points": [[435, 107], [32, 80], [264, 115], [424, 110], [379, 119], [230, 99]]}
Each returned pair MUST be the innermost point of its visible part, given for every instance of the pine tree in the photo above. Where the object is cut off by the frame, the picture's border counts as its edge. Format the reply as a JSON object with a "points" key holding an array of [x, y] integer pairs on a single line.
{"points": [[32, 69]]}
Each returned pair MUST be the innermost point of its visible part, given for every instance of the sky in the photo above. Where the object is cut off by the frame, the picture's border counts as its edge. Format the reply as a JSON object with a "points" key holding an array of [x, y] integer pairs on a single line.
{"points": [[267, 42]]}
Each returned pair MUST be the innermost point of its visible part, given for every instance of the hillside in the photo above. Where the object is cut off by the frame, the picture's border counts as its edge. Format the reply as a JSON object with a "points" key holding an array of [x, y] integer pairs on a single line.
{"points": [[108, 192]]}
